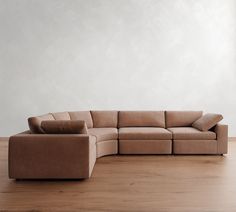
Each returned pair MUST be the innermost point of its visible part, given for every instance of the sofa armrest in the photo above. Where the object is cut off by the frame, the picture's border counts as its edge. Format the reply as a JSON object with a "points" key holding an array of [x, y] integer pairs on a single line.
{"points": [[44, 156], [221, 131]]}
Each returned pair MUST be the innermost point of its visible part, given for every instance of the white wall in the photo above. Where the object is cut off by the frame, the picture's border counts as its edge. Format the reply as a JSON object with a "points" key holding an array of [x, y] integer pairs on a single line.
{"points": [[116, 54]]}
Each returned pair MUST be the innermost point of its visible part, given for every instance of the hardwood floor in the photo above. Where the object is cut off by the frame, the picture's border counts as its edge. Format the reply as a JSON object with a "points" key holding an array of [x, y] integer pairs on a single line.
{"points": [[131, 183]]}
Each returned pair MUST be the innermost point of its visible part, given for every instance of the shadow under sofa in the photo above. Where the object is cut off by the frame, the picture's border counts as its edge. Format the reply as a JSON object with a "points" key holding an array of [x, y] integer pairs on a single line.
{"points": [[36, 155]]}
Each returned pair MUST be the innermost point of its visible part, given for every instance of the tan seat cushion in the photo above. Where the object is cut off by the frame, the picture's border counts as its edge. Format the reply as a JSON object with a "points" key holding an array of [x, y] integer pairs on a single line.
{"points": [[105, 118], [104, 134], [141, 119], [181, 118], [190, 133], [207, 121], [144, 133], [64, 127]]}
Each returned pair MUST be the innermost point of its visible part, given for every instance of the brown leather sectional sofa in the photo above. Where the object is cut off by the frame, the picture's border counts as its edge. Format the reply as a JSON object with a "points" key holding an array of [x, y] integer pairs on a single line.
{"points": [[36, 155]]}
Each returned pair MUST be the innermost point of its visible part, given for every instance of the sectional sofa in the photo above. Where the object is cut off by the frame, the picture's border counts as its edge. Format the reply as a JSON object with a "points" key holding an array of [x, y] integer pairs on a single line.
{"points": [[65, 145]]}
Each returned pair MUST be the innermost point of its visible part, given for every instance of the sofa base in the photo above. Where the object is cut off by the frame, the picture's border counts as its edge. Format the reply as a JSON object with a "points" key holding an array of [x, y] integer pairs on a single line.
{"points": [[36, 156], [145, 146], [195, 147], [109, 147]]}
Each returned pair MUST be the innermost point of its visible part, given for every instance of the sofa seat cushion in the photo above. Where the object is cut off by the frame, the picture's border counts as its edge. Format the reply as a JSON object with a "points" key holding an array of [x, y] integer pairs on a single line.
{"points": [[104, 134], [190, 133], [144, 133]]}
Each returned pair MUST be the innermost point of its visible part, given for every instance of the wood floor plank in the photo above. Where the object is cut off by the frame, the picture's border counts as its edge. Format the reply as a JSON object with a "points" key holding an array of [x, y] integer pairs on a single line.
{"points": [[4, 138], [131, 183]]}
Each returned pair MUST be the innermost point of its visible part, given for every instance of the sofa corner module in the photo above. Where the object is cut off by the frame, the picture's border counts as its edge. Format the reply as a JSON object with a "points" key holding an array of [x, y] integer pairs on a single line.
{"points": [[41, 156], [221, 131]]}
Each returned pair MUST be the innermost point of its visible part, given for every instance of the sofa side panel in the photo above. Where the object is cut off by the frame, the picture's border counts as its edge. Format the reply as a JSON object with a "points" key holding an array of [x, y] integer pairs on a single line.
{"points": [[221, 131], [48, 156]]}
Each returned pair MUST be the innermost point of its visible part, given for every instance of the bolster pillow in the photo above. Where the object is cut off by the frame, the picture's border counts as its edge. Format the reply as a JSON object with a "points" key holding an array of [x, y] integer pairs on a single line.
{"points": [[64, 127], [207, 121]]}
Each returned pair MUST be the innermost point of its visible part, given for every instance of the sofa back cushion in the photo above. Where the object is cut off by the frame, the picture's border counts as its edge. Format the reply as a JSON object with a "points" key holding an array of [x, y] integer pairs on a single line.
{"points": [[105, 118], [64, 127], [82, 115], [207, 121], [61, 116], [181, 118], [141, 119], [35, 122]]}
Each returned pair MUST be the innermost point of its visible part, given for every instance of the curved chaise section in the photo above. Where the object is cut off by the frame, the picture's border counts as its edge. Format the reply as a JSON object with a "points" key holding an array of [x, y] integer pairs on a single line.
{"points": [[105, 130], [106, 140]]}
